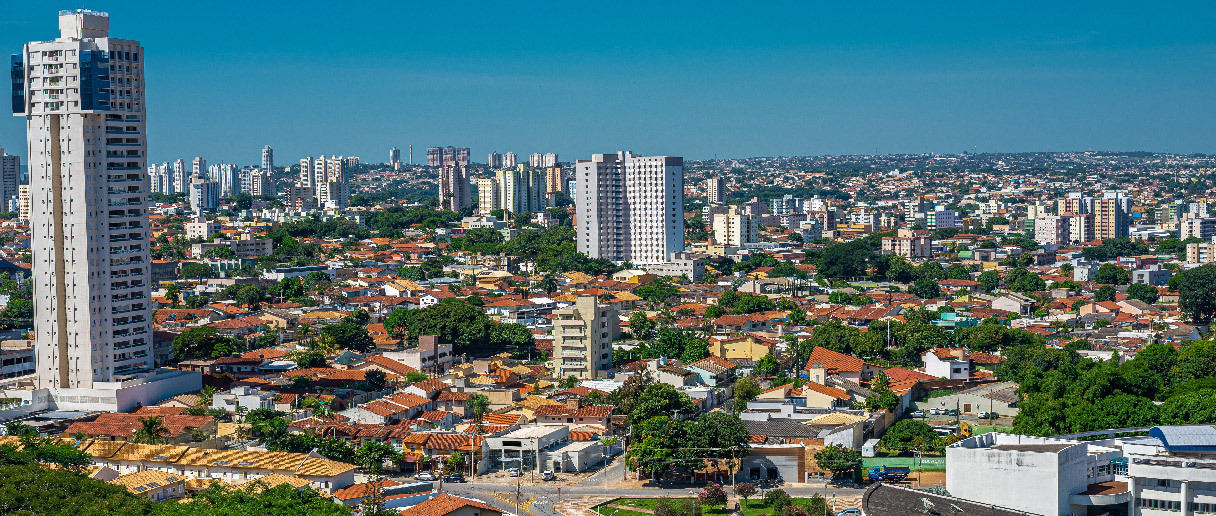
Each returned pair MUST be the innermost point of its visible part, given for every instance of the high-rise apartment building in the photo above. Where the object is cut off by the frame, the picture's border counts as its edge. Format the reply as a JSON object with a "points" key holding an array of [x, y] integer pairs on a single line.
{"points": [[494, 160], [1203, 228], [229, 179], [509, 160], [10, 178], [268, 159], [715, 188], [1080, 227], [440, 156], [330, 183], [785, 205], [434, 156], [1111, 215], [546, 160], [521, 190], [204, 194], [462, 156], [259, 183], [394, 157], [23, 202], [555, 179], [488, 198], [181, 176], [630, 207], [198, 166], [82, 96], [308, 172], [582, 339], [735, 228], [1052, 229], [454, 188]]}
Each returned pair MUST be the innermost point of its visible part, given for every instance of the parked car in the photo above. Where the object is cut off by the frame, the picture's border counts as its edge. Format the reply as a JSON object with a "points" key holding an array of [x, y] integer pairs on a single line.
{"points": [[918, 414], [454, 477], [425, 475], [950, 412], [548, 475], [852, 511], [935, 411], [986, 415], [514, 472]]}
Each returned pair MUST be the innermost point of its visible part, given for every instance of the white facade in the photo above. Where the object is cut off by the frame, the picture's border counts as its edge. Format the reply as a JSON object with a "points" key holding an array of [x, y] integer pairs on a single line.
{"points": [[521, 190], [715, 188], [734, 228], [509, 159], [1203, 228], [630, 207], [268, 158], [83, 100], [488, 198]]}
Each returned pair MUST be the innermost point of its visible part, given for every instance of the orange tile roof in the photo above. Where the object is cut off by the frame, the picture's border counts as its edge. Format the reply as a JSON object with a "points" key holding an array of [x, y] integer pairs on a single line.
{"points": [[445, 504]]}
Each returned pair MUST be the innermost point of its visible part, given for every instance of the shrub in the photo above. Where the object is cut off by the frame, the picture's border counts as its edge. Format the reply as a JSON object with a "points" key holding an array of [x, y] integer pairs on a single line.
{"points": [[712, 494], [777, 498]]}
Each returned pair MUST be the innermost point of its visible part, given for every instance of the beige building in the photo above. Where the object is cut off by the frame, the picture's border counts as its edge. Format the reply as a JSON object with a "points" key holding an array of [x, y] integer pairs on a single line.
{"points": [[488, 198], [735, 228], [909, 244], [582, 339]]}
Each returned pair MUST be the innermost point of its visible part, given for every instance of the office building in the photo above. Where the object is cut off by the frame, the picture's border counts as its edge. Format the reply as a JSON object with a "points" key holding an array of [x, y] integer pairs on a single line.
{"points": [[10, 178], [494, 160], [630, 207], [454, 188], [582, 339], [92, 298], [735, 228], [715, 188], [268, 159], [509, 160]]}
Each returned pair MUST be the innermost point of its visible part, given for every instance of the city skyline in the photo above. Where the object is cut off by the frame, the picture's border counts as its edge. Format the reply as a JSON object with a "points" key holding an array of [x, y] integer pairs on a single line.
{"points": [[815, 81]]}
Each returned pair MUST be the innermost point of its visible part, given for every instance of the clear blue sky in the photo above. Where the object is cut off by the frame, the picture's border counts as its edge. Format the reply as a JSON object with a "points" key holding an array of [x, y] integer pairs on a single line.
{"points": [[731, 79]]}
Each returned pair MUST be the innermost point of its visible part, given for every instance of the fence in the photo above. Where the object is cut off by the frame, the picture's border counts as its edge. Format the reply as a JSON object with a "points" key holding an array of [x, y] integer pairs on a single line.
{"points": [[924, 463]]}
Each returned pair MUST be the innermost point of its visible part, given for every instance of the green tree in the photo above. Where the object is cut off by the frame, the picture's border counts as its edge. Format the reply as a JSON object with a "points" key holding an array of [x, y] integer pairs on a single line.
{"points": [[31, 489], [197, 342], [1196, 361], [989, 280], [838, 459], [906, 433], [280, 500], [454, 462], [196, 271], [152, 431], [1197, 293], [372, 456], [1105, 293], [658, 291], [641, 326], [220, 253], [926, 288], [350, 336], [1112, 274], [746, 389], [661, 399], [768, 365], [1143, 292]]}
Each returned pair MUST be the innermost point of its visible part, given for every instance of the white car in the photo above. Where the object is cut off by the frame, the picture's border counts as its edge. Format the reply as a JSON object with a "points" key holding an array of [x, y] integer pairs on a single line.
{"points": [[515, 472]]}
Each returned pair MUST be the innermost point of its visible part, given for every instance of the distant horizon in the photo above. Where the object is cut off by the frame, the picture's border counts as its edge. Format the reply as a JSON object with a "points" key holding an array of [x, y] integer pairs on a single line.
{"points": [[691, 80]]}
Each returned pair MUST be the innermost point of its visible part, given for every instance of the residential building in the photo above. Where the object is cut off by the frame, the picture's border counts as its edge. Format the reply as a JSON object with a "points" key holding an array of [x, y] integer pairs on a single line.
{"points": [[1153, 275], [909, 243], [202, 228], [785, 205], [394, 157], [630, 207], [454, 188], [488, 196], [948, 363], [268, 159], [715, 188], [10, 179], [1080, 227], [260, 183], [198, 167], [735, 228], [92, 316], [555, 180], [204, 195], [537, 160], [1201, 252], [1052, 229], [582, 339], [1203, 228], [494, 160], [509, 160], [23, 202], [1111, 215], [521, 190]]}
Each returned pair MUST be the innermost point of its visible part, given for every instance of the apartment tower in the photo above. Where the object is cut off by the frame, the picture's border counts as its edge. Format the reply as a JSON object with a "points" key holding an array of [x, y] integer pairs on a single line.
{"points": [[630, 207], [82, 96]]}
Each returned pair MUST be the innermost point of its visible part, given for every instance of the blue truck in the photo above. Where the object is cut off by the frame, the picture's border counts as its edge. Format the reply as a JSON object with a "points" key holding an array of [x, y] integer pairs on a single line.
{"points": [[888, 474]]}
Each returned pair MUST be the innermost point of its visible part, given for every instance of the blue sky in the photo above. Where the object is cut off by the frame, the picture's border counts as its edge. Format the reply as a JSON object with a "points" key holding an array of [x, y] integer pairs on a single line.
{"points": [[699, 79]]}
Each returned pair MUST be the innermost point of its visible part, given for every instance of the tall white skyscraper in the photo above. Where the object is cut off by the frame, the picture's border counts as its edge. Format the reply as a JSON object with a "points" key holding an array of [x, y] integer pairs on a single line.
{"points": [[630, 207], [199, 167], [394, 157], [181, 177], [268, 159], [521, 190], [509, 159], [10, 178], [82, 96]]}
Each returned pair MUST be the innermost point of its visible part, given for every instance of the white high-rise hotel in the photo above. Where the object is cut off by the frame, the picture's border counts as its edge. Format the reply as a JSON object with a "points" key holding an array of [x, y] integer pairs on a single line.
{"points": [[83, 99], [630, 207]]}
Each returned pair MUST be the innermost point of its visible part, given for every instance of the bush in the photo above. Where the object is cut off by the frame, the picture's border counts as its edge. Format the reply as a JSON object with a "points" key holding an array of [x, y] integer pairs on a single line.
{"points": [[677, 507], [712, 494], [777, 498]]}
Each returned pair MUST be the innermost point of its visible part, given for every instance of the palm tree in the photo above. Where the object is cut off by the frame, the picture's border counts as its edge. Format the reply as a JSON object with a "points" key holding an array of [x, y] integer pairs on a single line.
{"points": [[240, 413], [153, 431], [205, 396]]}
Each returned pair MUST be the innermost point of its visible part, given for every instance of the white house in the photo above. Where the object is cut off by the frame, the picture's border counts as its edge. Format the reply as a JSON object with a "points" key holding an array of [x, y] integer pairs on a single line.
{"points": [[951, 364]]}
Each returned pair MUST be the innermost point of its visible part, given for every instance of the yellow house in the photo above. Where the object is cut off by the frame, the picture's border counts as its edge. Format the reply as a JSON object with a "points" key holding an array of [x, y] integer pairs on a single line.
{"points": [[745, 347]]}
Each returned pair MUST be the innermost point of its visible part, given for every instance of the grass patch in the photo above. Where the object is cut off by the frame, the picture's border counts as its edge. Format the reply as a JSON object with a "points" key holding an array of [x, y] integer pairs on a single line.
{"points": [[752, 507], [983, 429], [937, 393]]}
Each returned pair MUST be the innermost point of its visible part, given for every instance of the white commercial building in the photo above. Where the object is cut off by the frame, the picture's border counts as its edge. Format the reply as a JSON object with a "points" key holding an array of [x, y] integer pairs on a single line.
{"points": [[82, 96], [1169, 471], [630, 207]]}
